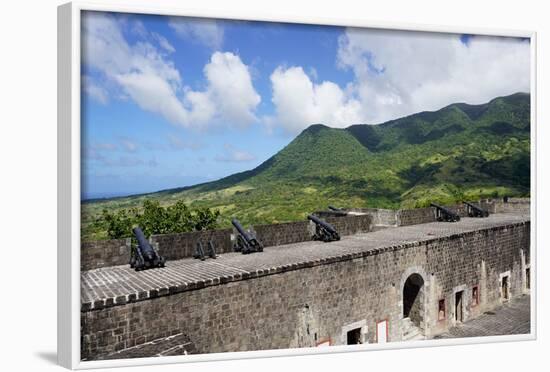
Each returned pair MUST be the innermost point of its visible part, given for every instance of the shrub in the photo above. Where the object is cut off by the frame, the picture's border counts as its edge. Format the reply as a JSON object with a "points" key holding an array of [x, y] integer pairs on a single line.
{"points": [[155, 219]]}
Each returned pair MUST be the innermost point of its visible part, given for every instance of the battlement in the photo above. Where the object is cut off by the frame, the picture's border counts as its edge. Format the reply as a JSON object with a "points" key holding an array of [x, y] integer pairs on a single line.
{"points": [[119, 285], [106, 253]]}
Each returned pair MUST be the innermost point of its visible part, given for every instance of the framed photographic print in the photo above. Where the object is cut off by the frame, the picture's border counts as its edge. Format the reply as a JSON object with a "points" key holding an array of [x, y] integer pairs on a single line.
{"points": [[239, 186]]}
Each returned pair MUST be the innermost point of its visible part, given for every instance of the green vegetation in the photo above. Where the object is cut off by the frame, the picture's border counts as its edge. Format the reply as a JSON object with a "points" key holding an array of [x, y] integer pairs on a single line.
{"points": [[459, 152], [153, 219]]}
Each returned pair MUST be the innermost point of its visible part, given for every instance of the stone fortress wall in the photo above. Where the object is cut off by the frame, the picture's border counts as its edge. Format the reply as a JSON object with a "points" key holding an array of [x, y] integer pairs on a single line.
{"points": [[376, 295], [105, 253]]}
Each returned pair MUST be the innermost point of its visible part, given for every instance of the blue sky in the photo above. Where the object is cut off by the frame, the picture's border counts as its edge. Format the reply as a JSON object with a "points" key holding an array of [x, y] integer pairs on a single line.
{"points": [[170, 102]]}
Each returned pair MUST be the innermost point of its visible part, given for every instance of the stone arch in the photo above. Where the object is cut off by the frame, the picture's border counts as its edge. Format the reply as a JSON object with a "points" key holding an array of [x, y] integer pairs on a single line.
{"points": [[414, 296]]}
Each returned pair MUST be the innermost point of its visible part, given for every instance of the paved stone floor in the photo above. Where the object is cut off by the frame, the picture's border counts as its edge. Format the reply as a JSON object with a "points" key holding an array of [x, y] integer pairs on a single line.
{"points": [[116, 285], [513, 318]]}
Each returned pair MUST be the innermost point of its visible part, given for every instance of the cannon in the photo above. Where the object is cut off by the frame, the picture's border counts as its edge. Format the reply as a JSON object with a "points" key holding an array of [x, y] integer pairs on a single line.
{"points": [[445, 214], [144, 256], [246, 242], [199, 251], [337, 211], [211, 250], [323, 230], [475, 211]]}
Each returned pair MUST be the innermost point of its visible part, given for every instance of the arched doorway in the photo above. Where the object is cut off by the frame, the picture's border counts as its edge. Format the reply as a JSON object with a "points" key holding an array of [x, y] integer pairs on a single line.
{"points": [[413, 299]]}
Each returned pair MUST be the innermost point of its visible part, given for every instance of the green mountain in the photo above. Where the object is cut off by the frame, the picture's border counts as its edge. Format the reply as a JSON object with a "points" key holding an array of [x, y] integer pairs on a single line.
{"points": [[459, 152]]}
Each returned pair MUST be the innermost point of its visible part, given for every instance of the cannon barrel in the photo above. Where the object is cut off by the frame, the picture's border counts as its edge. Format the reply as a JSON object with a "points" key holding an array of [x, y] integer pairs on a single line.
{"points": [[475, 211], [323, 230], [146, 249], [445, 214], [246, 242], [240, 229], [319, 221], [144, 256], [337, 212]]}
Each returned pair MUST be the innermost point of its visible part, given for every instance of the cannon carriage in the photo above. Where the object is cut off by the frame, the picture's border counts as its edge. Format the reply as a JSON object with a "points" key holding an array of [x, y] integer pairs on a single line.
{"points": [[323, 230], [245, 242], [475, 211], [144, 256], [445, 214]]}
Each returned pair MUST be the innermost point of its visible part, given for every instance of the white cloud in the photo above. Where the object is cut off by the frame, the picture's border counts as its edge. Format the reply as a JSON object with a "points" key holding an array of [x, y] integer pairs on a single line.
{"points": [[229, 96], [164, 43], [105, 146], [129, 145], [140, 71], [125, 161], [145, 75], [95, 155], [299, 102], [176, 143], [230, 85], [204, 31], [139, 29], [153, 93], [398, 73], [234, 155], [96, 151], [312, 72], [94, 90]]}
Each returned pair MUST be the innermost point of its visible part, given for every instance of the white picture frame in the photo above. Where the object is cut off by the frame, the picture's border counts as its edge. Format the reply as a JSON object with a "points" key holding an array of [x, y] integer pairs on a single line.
{"points": [[69, 181]]}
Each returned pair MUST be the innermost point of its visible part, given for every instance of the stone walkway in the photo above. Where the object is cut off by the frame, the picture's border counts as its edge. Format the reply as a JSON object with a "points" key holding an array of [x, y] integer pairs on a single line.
{"points": [[513, 318]]}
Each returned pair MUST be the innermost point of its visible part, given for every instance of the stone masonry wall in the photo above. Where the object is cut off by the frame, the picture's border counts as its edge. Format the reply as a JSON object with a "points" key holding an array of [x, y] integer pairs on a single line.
{"points": [[300, 307], [406, 217], [379, 216], [105, 253], [178, 246], [296, 232], [282, 233], [475, 260], [351, 225], [512, 205]]}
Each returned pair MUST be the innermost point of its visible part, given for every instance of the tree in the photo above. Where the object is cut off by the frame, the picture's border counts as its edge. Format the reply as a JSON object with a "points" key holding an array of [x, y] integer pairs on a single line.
{"points": [[118, 224], [155, 219]]}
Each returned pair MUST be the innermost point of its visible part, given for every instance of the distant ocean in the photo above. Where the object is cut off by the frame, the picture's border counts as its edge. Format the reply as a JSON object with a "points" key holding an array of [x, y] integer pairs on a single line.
{"points": [[104, 195]]}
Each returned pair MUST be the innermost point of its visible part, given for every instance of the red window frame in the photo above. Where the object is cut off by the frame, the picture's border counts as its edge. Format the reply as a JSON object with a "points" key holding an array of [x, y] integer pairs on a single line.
{"points": [[324, 340], [387, 329]]}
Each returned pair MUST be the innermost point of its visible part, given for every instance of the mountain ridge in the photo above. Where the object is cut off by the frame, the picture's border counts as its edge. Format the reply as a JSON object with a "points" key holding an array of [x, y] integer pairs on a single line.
{"points": [[461, 151]]}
